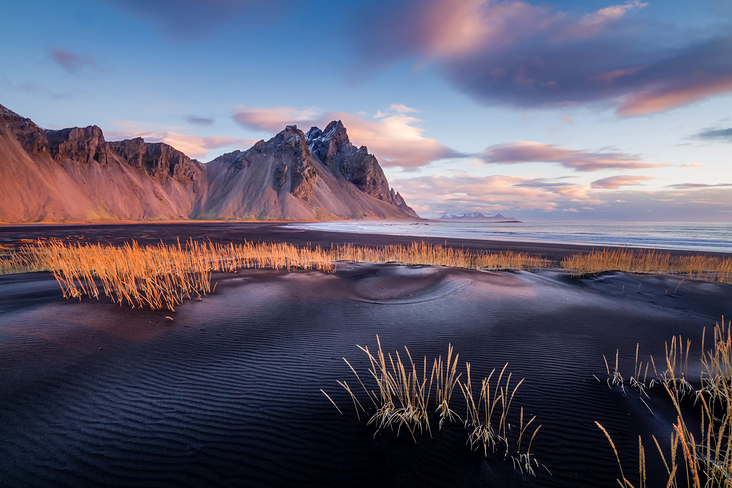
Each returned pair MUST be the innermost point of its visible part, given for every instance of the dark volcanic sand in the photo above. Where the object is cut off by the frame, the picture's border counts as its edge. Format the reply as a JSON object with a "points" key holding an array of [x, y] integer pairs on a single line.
{"points": [[92, 394], [225, 232]]}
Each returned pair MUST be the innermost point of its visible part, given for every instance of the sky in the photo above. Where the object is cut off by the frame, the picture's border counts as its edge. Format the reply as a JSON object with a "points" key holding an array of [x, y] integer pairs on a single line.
{"points": [[587, 110]]}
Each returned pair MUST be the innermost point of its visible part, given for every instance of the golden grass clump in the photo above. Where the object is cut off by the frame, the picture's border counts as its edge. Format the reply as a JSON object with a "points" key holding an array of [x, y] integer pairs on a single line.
{"points": [[160, 276], [706, 461], [487, 416], [401, 399], [10, 263], [697, 267], [431, 255]]}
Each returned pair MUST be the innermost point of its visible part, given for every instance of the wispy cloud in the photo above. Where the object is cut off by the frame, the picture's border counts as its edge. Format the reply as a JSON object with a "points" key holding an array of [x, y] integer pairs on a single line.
{"points": [[615, 182], [191, 145], [186, 19], [537, 152], [393, 135], [198, 120], [720, 135], [533, 55], [71, 62], [698, 186], [33, 88]]}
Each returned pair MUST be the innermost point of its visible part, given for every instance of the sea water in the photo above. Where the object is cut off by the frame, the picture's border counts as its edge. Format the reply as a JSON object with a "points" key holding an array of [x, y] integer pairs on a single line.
{"points": [[715, 237]]}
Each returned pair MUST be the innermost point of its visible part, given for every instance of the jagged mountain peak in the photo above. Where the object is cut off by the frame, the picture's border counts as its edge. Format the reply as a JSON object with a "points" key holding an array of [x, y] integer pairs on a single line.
{"points": [[291, 137], [328, 141]]}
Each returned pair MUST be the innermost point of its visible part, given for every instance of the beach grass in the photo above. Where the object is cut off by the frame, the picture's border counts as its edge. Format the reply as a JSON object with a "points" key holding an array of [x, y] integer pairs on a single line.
{"points": [[703, 460], [400, 390], [163, 276], [696, 267], [156, 277], [420, 253]]}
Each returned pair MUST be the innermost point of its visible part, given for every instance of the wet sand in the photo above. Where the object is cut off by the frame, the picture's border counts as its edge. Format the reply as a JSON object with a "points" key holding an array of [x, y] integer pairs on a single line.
{"points": [[224, 232], [93, 394]]}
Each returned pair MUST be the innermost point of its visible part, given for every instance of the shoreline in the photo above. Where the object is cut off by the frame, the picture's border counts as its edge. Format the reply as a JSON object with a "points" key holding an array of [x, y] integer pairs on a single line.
{"points": [[118, 233]]}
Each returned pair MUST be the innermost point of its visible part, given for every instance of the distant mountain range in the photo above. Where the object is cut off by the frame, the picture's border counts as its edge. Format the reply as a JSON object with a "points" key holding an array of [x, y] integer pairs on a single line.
{"points": [[476, 217], [76, 175]]}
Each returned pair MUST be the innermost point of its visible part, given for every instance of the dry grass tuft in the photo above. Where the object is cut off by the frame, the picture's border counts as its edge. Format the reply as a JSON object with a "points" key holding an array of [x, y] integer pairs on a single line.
{"points": [[428, 254], [403, 394], [706, 461], [698, 267], [156, 277], [401, 399]]}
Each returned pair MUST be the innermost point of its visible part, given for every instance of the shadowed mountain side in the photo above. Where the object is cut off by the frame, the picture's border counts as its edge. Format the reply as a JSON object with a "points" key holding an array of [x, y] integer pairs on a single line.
{"points": [[280, 178], [74, 174]]}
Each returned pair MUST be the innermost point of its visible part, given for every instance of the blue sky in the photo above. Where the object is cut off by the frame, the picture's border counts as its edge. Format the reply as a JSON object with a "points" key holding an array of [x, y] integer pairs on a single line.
{"points": [[586, 110]]}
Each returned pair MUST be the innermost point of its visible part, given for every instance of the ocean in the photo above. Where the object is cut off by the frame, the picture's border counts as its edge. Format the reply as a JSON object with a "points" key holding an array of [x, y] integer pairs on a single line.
{"points": [[715, 237]]}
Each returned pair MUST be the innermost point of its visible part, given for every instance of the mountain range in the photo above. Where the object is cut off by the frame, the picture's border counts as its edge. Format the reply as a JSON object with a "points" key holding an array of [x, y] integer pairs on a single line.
{"points": [[74, 174], [476, 217]]}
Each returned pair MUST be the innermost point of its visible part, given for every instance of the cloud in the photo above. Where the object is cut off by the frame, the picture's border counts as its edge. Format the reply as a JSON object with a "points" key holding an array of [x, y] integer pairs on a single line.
{"points": [[274, 119], [440, 193], [398, 108], [697, 186], [537, 152], [393, 136], [614, 12], [527, 55], [193, 146], [73, 63], [721, 135], [197, 120], [33, 89], [545, 198], [185, 19], [615, 182]]}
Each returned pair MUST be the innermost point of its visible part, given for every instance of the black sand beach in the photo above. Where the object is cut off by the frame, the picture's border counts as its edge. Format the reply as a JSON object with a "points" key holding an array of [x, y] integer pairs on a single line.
{"points": [[227, 394], [225, 232]]}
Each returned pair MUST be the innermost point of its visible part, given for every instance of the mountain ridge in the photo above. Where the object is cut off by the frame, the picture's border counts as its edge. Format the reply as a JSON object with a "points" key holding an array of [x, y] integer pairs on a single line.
{"points": [[75, 174], [475, 217]]}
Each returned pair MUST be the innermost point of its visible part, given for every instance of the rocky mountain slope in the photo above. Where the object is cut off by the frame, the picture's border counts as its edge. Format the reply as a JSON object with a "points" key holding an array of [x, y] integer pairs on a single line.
{"points": [[75, 174]]}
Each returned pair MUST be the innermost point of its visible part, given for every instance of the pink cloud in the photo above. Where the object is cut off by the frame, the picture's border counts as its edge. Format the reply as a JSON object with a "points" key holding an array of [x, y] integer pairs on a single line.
{"points": [[504, 193], [662, 97], [193, 146], [394, 136], [274, 119], [612, 13], [491, 193], [537, 152], [615, 182], [611, 76]]}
